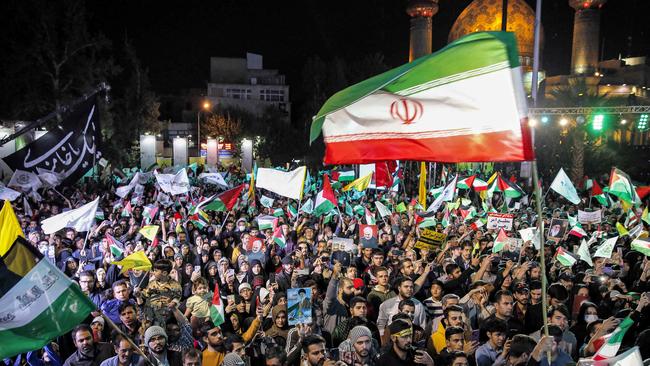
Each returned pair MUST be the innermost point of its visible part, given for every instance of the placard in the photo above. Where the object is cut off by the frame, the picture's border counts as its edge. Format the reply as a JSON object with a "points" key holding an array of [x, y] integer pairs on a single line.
{"points": [[299, 306], [586, 217], [430, 239], [498, 221], [343, 244], [368, 235], [558, 228]]}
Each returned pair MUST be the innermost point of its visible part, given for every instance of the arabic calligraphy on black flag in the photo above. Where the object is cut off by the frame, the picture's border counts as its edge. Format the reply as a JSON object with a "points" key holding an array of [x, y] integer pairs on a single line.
{"points": [[68, 151]]}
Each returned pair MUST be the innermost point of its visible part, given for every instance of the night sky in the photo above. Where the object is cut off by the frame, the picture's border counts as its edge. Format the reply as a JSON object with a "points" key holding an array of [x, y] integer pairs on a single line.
{"points": [[175, 40]]}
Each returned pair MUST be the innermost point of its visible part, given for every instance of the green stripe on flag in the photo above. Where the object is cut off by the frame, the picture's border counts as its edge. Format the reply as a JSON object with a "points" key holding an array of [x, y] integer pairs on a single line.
{"points": [[440, 67]]}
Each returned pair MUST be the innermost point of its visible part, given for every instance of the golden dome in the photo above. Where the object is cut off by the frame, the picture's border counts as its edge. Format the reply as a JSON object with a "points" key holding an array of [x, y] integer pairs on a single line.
{"points": [[485, 15]]}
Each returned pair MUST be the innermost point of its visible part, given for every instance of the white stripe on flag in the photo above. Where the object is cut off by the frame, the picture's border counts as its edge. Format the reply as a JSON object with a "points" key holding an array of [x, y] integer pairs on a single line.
{"points": [[43, 284]]}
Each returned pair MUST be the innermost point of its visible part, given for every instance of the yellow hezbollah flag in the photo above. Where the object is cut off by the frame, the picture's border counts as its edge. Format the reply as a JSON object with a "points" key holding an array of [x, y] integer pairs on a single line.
{"points": [[137, 260], [622, 231], [10, 229], [149, 231], [422, 197], [359, 184]]}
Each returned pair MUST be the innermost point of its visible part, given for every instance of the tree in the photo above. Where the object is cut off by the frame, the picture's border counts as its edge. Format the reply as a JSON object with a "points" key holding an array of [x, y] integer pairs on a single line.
{"points": [[49, 57], [222, 124], [576, 94]]}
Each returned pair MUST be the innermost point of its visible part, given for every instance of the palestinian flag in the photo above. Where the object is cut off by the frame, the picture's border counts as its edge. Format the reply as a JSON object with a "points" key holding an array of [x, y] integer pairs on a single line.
{"points": [[216, 309], [477, 224], [292, 212], [466, 183], [343, 176], [267, 222], [278, 212], [577, 230], [427, 222], [224, 201], [641, 246], [612, 342], [479, 185], [325, 199], [397, 114], [500, 242], [126, 211], [587, 183], [565, 258], [370, 218], [620, 185], [200, 219], [115, 246], [37, 301], [149, 213], [278, 237], [508, 189]]}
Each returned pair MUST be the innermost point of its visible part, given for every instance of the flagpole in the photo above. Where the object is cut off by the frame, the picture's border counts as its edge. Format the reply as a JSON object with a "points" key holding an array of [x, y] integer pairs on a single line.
{"points": [[136, 348], [224, 220]]}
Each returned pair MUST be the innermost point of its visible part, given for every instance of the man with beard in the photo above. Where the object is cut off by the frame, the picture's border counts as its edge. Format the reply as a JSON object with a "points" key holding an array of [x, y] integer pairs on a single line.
{"points": [[390, 307], [155, 339], [521, 302], [358, 348], [503, 304], [314, 352], [88, 353], [283, 279], [401, 334], [339, 293], [215, 349], [124, 351]]}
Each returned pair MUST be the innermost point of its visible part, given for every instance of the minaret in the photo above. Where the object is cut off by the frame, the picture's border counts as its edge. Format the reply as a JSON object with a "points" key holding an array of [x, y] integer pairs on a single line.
{"points": [[421, 12], [586, 27]]}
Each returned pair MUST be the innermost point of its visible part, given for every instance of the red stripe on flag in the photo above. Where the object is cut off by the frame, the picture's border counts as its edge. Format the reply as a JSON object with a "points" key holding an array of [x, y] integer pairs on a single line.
{"points": [[493, 146]]}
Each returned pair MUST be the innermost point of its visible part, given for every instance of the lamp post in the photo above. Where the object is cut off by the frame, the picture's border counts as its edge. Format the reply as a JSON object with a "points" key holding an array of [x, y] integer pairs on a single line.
{"points": [[206, 106]]}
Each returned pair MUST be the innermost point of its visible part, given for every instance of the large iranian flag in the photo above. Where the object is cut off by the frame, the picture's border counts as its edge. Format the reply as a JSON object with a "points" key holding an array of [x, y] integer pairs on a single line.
{"points": [[464, 103]]}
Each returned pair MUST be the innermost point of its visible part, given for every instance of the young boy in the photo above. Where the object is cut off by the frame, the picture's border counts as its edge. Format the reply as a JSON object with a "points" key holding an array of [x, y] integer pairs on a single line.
{"points": [[161, 293]]}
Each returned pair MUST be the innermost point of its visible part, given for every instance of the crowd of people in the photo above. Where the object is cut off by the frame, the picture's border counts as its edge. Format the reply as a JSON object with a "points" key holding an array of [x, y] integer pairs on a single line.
{"points": [[387, 301]]}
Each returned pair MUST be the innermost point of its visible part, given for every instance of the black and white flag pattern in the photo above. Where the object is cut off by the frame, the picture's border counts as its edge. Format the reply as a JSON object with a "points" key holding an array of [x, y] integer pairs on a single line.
{"points": [[67, 152]]}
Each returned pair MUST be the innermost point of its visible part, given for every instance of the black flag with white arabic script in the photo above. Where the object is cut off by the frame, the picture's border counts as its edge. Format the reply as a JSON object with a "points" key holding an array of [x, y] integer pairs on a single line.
{"points": [[69, 151]]}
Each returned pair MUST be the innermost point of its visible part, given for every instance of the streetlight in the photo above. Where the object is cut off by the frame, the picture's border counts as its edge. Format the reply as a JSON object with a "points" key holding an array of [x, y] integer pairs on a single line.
{"points": [[206, 107]]}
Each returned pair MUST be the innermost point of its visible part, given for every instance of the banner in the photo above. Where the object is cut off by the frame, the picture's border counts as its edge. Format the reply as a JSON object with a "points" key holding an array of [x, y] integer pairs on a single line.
{"points": [[585, 217], [500, 221], [430, 239], [69, 151]]}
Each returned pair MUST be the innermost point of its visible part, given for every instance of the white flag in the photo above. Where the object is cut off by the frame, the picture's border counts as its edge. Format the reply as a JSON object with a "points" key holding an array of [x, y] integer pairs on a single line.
{"points": [[8, 194], [124, 190], [287, 184], [583, 253], [383, 210], [606, 248], [25, 181], [562, 185], [530, 234], [266, 201], [80, 219], [27, 208], [49, 178], [174, 184], [446, 195], [214, 178]]}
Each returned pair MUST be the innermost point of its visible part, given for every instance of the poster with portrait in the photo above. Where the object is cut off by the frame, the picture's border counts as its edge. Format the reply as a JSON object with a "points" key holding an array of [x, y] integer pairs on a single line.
{"points": [[255, 248], [557, 229], [368, 236], [299, 306]]}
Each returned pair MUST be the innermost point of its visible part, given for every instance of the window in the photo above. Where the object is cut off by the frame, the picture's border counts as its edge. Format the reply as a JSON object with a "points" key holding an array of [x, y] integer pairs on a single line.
{"points": [[272, 95], [237, 93]]}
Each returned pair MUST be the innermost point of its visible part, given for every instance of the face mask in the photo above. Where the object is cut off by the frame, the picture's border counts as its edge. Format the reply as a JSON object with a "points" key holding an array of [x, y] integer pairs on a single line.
{"points": [[241, 228], [590, 318]]}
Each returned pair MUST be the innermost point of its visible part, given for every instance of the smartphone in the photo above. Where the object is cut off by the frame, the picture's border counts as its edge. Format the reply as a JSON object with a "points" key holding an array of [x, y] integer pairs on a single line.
{"points": [[302, 272], [475, 336], [231, 299], [197, 268]]}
